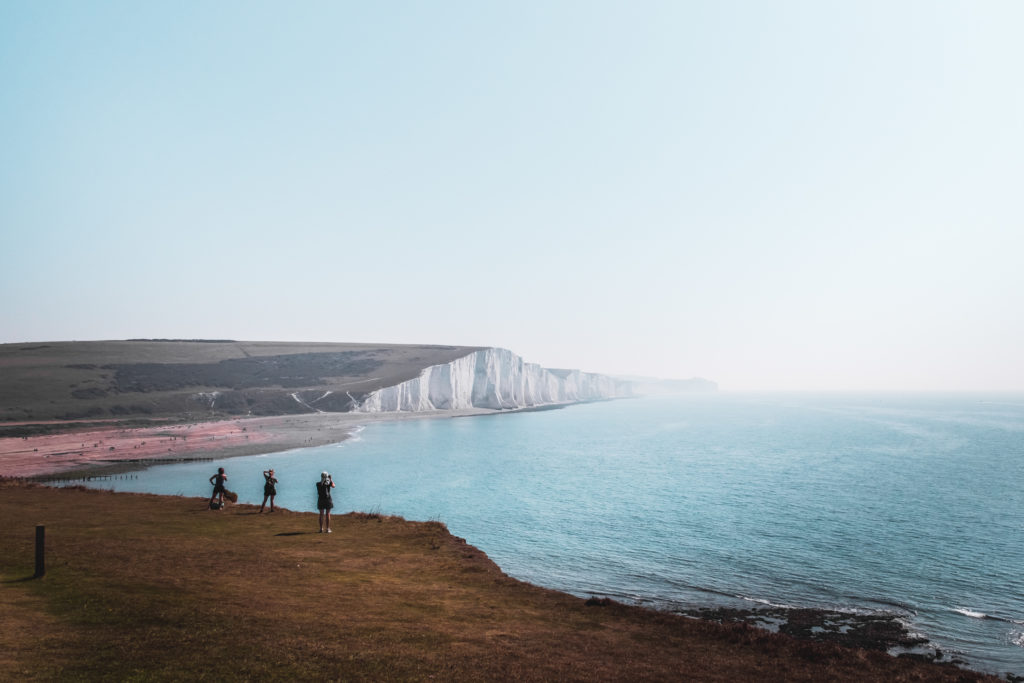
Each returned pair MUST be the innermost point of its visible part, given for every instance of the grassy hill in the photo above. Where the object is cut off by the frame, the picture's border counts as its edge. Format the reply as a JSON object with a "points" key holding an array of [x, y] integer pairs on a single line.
{"points": [[142, 587], [192, 380]]}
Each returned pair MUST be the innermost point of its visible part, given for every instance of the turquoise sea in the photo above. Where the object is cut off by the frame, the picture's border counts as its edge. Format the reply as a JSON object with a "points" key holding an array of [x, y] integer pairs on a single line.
{"points": [[909, 505]]}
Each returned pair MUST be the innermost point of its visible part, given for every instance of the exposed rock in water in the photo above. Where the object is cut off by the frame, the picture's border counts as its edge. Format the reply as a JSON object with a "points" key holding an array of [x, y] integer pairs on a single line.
{"points": [[868, 631]]}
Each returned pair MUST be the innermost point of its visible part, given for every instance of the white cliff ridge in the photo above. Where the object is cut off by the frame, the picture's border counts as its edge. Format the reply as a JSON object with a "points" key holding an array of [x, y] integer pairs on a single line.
{"points": [[492, 378]]}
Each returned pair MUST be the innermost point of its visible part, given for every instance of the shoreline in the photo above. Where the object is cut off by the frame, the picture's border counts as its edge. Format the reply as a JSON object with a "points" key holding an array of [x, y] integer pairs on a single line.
{"points": [[883, 632], [94, 448], [123, 447], [880, 634], [409, 601], [200, 441]]}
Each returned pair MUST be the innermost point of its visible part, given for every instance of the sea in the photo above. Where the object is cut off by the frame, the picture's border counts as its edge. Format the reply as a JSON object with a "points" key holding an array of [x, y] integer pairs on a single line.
{"points": [[909, 505]]}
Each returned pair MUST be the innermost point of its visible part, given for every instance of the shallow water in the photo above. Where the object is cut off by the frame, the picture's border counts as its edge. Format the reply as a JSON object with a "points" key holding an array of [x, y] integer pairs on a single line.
{"points": [[907, 505]]}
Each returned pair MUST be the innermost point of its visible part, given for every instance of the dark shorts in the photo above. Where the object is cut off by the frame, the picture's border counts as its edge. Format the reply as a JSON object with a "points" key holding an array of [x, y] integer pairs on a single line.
{"points": [[269, 490], [218, 488], [324, 504]]}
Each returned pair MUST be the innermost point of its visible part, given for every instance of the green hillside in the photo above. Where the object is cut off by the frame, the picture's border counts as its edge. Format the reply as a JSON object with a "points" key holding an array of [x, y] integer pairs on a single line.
{"points": [[196, 379]]}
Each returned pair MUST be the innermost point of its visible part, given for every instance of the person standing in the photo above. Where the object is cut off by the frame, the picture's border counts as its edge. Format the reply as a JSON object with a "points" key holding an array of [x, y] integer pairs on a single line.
{"points": [[269, 489], [218, 488], [323, 500]]}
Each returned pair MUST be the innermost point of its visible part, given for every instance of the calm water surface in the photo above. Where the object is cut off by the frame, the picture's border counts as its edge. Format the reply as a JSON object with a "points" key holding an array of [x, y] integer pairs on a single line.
{"points": [[909, 505]]}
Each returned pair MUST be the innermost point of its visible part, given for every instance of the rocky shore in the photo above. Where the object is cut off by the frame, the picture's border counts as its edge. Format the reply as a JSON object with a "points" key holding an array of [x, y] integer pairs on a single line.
{"points": [[881, 632]]}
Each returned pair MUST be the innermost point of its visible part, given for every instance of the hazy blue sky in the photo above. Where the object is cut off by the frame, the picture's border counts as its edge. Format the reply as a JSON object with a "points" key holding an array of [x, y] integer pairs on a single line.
{"points": [[773, 195]]}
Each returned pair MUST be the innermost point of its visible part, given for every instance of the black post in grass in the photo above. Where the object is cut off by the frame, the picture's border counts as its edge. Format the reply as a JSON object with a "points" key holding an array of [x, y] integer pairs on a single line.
{"points": [[40, 551]]}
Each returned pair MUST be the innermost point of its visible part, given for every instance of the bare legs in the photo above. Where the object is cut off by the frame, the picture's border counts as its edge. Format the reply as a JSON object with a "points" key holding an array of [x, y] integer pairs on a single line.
{"points": [[265, 503], [325, 518]]}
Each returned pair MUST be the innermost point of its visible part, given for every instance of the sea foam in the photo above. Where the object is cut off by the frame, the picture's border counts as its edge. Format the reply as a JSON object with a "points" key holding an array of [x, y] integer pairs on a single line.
{"points": [[970, 613]]}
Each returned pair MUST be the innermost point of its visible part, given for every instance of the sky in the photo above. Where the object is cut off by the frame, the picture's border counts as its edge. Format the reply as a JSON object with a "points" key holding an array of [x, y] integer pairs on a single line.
{"points": [[793, 195]]}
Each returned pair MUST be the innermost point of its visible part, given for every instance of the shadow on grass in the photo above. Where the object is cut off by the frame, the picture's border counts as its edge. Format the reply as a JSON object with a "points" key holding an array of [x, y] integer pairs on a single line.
{"points": [[22, 579], [293, 533]]}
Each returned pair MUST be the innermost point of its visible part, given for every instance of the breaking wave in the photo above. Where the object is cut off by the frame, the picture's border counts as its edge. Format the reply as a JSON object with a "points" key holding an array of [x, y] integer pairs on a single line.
{"points": [[974, 614]]}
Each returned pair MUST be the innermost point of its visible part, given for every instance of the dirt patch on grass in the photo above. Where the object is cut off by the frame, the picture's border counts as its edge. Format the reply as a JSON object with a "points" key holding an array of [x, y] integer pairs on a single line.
{"points": [[160, 588]]}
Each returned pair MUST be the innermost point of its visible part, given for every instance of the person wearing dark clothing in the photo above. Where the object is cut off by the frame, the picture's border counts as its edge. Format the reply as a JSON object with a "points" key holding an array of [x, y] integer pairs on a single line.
{"points": [[218, 488], [324, 502], [269, 489]]}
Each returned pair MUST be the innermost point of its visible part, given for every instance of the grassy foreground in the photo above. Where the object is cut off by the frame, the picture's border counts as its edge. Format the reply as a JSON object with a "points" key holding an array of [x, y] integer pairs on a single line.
{"points": [[142, 587]]}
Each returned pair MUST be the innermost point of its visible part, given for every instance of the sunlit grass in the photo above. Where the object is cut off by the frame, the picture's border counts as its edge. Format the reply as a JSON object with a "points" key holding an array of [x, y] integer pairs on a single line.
{"points": [[142, 587]]}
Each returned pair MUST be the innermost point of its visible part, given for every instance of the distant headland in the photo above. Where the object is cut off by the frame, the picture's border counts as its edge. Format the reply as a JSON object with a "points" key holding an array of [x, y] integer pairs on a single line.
{"points": [[69, 405], [203, 379]]}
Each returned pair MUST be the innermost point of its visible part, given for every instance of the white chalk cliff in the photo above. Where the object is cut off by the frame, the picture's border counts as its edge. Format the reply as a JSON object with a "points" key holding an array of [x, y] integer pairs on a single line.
{"points": [[492, 378]]}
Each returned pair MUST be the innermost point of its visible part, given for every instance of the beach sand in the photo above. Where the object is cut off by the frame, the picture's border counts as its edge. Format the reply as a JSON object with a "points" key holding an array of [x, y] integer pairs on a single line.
{"points": [[96, 449]]}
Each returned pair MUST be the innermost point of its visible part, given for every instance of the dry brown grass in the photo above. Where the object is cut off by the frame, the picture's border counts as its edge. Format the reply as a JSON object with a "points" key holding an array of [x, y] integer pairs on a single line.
{"points": [[143, 587]]}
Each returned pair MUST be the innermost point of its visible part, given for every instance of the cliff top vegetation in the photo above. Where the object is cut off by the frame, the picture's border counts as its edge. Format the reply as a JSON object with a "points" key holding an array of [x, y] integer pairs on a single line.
{"points": [[143, 587], [139, 380]]}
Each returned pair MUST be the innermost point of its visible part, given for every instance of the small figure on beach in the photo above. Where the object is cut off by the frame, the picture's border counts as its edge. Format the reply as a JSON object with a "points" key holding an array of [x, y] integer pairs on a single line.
{"points": [[218, 488], [324, 502], [269, 489]]}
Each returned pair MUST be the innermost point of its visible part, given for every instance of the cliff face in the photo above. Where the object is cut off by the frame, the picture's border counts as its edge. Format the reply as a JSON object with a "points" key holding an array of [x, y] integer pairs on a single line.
{"points": [[492, 378]]}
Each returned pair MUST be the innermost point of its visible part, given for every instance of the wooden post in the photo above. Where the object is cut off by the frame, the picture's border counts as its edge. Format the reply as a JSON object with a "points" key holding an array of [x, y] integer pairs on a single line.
{"points": [[40, 551]]}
